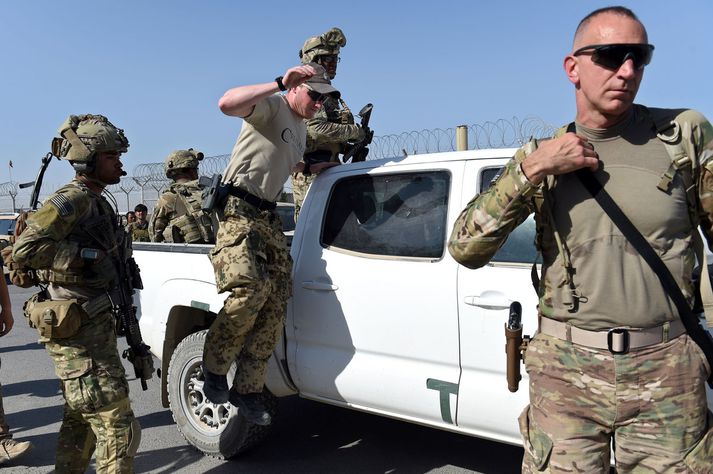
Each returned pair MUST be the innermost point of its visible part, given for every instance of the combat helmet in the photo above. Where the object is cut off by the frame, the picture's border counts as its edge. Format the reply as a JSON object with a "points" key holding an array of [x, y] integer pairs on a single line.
{"points": [[326, 43], [83, 136], [181, 159]]}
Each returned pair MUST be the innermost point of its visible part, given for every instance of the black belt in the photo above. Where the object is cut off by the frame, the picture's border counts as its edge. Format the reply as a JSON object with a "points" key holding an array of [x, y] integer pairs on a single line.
{"points": [[251, 199]]}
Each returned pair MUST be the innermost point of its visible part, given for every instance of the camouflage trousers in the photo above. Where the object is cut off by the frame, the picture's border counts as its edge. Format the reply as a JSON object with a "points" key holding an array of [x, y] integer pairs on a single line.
{"points": [[651, 403], [300, 186], [4, 429], [97, 413], [251, 261]]}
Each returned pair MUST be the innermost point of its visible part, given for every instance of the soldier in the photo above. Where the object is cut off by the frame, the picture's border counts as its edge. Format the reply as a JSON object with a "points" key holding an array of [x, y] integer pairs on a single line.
{"points": [[250, 256], [178, 215], [611, 359], [70, 242], [332, 127], [139, 229], [9, 448]]}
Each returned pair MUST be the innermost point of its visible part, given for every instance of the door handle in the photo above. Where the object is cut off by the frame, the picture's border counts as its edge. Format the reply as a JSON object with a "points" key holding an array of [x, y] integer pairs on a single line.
{"points": [[314, 285], [488, 300]]}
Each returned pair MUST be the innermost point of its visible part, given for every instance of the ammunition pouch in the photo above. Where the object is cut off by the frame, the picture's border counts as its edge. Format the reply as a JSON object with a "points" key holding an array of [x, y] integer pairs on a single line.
{"points": [[53, 319], [318, 156]]}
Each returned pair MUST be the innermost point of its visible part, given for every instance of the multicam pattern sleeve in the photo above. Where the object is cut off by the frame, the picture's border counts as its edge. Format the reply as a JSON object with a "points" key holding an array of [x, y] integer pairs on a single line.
{"points": [[702, 132], [325, 128], [484, 225]]}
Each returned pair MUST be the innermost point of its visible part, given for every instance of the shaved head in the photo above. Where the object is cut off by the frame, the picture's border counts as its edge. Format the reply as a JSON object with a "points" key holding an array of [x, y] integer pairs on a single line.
{"points": [[583, 34]]}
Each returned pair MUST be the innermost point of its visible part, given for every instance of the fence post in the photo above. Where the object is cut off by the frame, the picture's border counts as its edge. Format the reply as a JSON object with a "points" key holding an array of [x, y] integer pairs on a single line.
{"points": [[461, 138]]}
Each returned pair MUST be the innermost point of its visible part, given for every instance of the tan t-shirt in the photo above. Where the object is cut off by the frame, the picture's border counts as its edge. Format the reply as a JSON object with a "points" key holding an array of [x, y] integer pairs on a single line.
{"points": [[616, 284], [270, 144]]}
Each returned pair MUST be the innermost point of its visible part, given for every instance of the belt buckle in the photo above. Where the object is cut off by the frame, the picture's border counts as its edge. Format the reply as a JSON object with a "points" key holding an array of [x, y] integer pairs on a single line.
{"points": [[618, 340]]}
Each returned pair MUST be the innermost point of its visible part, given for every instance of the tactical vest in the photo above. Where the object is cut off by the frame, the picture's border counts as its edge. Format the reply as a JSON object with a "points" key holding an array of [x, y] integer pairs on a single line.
{"points": [[140, 234], [97, 229], [190, 224]]}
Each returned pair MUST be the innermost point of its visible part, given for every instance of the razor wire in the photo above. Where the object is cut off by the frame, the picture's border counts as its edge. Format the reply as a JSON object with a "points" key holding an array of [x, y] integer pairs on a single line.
{"points": [[149, 180]]}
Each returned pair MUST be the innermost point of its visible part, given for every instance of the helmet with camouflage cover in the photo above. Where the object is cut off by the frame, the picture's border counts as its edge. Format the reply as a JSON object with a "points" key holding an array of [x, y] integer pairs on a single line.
{"points": [[324, 44], [181, 159], [83, 136]]}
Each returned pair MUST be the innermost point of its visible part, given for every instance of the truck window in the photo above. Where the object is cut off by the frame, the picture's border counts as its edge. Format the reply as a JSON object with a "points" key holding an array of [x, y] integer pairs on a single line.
{"points": [[402, 215]]}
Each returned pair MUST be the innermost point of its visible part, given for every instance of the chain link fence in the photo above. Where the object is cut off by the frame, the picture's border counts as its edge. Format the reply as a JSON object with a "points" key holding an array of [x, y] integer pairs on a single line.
{"points": [[148, 180]]}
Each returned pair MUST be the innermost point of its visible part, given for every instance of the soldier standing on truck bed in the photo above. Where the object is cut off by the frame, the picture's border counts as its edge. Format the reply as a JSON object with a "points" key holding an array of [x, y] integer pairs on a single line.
{"points": [[250, 257], [332, 127], [70, 243], [614, 358], [178, 216], [139, 229]]}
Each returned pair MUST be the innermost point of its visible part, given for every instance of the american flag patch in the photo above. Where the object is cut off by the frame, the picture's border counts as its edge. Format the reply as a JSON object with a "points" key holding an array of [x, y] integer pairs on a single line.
{"points": [[63, 205]]}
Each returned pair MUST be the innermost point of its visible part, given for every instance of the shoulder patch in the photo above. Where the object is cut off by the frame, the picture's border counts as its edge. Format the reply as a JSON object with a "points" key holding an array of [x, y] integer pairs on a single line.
{"points": [[63, 204]]}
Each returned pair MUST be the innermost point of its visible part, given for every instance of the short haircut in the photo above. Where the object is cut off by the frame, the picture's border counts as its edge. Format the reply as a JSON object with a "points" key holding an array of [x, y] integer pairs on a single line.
{"points": [[616, 10], [141, 208]]}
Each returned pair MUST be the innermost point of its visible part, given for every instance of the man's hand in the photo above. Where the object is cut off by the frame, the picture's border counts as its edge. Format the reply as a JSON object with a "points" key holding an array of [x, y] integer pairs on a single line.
{"points": [[6, 321], [298, 75], [561, 155], [319, 167]]}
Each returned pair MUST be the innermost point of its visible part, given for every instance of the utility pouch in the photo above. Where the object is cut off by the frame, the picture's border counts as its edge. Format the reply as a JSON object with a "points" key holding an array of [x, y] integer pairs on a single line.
{"points": [[58, 319]]}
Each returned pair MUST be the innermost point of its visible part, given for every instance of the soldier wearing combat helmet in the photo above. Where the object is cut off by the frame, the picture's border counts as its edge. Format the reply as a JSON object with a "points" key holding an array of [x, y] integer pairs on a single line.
{"points": [[70, 243], [178, 216], [332, 128]]}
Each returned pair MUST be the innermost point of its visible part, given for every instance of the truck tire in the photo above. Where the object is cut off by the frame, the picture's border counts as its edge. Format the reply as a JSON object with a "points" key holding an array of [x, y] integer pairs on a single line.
{"points": [[217, 430]]}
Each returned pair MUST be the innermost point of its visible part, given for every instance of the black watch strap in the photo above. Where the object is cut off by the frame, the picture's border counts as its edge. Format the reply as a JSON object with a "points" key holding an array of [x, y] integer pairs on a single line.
{"points": [[282, 87]]}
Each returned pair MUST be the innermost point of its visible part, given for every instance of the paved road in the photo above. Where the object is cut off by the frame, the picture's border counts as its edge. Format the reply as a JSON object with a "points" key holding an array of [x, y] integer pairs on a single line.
{"points": [[308, 437]]}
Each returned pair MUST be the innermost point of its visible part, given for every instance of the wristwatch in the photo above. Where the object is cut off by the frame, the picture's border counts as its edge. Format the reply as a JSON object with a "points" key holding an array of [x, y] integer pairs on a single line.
{"points": [[282, 87]]}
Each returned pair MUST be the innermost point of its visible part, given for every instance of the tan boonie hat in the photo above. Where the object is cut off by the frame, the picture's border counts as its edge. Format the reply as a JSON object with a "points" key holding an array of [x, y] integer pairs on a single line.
{"points": [[320, 82]]}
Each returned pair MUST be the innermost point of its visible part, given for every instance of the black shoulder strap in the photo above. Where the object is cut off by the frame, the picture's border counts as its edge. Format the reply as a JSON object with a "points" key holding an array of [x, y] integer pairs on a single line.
{"points": [[691, 322]]}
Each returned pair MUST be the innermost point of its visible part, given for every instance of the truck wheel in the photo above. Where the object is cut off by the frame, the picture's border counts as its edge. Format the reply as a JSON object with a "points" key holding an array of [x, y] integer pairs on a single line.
{"points": [[215, 429]]}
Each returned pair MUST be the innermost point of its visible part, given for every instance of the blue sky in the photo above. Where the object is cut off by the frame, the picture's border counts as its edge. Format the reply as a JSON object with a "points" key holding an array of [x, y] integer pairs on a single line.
{"points": [[157, 68]]}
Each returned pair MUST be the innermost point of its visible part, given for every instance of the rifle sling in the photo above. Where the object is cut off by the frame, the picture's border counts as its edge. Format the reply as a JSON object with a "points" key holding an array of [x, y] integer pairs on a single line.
{"points": [[627, 228]]}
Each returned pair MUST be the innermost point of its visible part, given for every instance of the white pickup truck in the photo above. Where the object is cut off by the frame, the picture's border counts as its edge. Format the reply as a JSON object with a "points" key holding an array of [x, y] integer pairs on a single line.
{"points": [[382, 319]]}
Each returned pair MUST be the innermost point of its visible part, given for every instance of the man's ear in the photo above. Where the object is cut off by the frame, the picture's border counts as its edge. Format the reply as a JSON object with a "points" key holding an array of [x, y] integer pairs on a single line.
{"points": [[571, 68]]}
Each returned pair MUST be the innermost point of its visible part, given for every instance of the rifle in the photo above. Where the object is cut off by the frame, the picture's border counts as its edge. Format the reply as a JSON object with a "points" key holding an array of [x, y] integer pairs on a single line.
{"points": [[358, 151], [125, 311], [37, 183]]}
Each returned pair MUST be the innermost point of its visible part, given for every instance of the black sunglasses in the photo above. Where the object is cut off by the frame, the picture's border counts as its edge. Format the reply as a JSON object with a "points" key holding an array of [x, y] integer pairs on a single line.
{"points": [[612, 56], [316, 96], [330, 58]]}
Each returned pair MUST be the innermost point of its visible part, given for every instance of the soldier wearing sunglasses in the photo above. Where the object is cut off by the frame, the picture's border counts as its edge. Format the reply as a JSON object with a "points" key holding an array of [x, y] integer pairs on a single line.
{"points": [[332, 128], [611, 366], [250, 256]]}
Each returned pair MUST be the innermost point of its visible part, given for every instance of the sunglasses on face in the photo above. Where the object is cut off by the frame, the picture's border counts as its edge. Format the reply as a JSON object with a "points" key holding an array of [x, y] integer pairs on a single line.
{"points": [[331, 58], [612, 56], [315, 96]]}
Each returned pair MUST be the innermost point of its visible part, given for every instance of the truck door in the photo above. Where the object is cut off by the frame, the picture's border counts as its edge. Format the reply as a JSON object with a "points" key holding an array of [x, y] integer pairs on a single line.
{"points": [[373, 314], [485, 406]]}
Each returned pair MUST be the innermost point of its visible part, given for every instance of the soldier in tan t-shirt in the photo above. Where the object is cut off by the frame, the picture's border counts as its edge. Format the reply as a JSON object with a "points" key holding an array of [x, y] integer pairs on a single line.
{"points": [[250, 257]]}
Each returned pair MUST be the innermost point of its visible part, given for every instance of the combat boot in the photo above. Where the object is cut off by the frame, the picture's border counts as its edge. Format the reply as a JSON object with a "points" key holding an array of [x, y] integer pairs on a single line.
{"points": [[251, 407], [215, 386], [11, 449]]}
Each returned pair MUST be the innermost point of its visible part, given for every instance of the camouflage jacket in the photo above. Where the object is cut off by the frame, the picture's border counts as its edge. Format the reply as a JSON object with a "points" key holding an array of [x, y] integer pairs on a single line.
{"points": [[139, 231], [579, 283], [71, 220], [331, 128], [178, 216]]}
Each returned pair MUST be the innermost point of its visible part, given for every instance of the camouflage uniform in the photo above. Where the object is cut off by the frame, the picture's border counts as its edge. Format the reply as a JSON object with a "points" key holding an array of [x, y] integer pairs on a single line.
{"points": [[332, 127], [178, 217], [139, 231], [651, 399], [251, 261], [67, 243]]}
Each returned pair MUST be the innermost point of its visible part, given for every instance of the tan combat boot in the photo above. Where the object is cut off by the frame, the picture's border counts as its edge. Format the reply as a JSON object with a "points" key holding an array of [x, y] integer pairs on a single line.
{"points": [[11, 449]]}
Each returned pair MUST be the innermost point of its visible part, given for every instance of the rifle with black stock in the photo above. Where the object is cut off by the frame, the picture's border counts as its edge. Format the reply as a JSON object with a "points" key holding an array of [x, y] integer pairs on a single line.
{"points": [[358, 151], [121, 297]]}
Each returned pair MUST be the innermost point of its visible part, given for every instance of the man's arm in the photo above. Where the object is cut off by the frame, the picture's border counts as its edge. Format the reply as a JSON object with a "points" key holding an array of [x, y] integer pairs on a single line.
{"points": [[703, 140], [6, 306], [323, 131], [240, 101]]}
